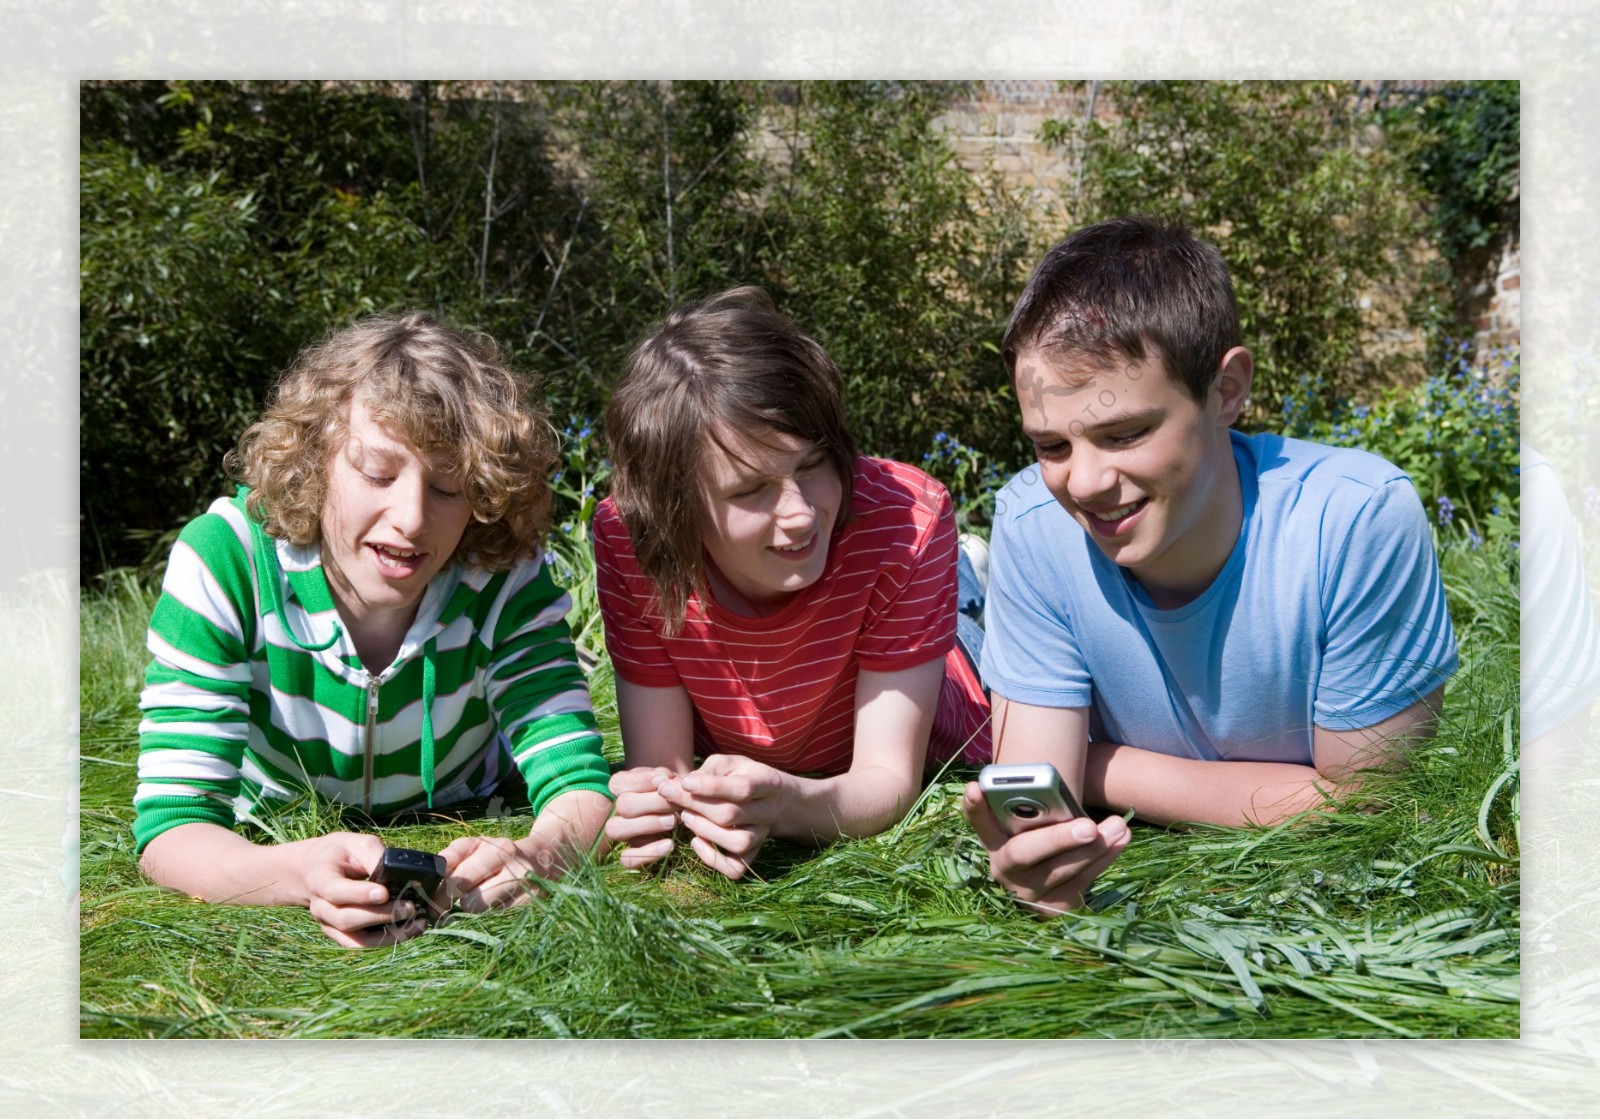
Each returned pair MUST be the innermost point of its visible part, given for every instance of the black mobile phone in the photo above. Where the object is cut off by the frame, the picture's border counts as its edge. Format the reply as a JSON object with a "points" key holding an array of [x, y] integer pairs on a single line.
{"points": [[1027, 795], [417, 876]]}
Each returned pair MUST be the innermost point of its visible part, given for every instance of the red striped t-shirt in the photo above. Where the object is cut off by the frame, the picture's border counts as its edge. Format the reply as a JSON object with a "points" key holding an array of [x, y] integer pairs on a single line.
{"points": [[781, 689]]}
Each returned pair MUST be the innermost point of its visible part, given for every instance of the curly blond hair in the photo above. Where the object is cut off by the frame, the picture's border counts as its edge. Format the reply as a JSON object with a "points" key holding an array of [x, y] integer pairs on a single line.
{"points": [[440, 391]]}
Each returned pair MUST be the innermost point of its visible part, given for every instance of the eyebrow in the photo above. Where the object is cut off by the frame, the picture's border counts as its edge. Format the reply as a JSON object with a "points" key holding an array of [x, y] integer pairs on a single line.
{"points": [[1091, 426], [747, 472]]}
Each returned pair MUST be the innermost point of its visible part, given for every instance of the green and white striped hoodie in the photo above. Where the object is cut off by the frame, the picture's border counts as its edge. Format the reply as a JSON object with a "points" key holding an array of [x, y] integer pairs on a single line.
{"points": [[256, 692]]}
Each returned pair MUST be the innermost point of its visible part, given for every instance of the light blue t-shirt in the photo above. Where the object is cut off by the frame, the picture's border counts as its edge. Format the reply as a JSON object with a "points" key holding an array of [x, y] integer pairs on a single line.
{"points": [[1329, 612]]}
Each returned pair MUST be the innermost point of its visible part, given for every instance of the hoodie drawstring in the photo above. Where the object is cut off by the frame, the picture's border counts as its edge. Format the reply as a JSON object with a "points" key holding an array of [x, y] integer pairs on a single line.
{"points": [[427, 719]]}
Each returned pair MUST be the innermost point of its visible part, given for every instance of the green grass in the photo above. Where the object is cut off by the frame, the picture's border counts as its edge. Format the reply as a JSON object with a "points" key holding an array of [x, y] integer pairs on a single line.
{"points": [[1394, 917]]}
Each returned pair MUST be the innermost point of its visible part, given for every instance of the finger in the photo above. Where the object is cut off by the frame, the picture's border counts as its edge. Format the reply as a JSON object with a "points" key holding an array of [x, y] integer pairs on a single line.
{"points": [[724, 787], [739, 842], [350, 918], [642, 855], [374, 937], [459, 849], [629, 830], [1027, 850], [718, 860], [356, 854], [487, 859], [728, 814], [1080, 875], [638, 780], [508, 888], [325, 881], [726, 765], [641, 804]]}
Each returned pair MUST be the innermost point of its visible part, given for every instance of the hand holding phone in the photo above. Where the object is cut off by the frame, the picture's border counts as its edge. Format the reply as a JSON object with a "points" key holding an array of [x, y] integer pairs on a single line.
{"points": [[415, 876], [1027, 795]]}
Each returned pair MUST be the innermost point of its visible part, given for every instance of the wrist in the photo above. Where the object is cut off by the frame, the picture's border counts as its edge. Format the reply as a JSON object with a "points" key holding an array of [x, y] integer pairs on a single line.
{"points": [[572, 819]]}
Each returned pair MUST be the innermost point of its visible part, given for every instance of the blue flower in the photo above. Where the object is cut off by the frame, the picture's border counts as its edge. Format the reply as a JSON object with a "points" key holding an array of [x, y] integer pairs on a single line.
{"points": [[1447, 510], [1473, 540]]}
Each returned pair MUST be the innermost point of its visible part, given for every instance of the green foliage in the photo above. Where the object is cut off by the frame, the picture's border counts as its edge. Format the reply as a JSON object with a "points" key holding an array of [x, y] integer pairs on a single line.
{"points": [[882, 247], [1309, 216], [1465, 146], [972, 478], [225, 226], [1455, 434], [228, 224]]}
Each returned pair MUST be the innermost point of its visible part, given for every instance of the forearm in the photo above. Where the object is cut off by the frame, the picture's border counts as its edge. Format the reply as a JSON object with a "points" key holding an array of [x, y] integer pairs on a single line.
{"points": [[1164, 790], [216, 864], [572, 822], [861, 802]]}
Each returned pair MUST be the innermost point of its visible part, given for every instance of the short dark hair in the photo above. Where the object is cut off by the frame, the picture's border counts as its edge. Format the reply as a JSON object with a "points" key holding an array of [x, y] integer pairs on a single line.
{"points": [[1124, 287], [731, 361]]}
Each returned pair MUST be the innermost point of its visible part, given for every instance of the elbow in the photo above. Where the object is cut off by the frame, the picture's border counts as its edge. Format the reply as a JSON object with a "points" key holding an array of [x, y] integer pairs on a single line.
{"points": [[1321, 793]]}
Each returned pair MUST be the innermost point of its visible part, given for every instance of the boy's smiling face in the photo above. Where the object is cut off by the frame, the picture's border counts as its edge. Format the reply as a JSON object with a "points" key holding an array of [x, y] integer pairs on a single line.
{"points": [[1146, 471]]}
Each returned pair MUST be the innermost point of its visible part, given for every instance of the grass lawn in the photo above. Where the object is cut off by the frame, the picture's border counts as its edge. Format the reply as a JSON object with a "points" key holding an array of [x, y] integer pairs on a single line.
{"points": [[1397, 917]]}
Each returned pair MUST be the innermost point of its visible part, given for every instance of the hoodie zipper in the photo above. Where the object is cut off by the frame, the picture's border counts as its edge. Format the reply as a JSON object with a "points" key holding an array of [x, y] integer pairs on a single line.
{"points": [[369, 734]]}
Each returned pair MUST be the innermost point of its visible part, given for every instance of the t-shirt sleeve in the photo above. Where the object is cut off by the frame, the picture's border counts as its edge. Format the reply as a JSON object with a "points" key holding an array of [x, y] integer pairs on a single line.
{"points": [[196, 699], [1031, 652], [1388, 639], [632, 642], [537, 690], [911, 616]]}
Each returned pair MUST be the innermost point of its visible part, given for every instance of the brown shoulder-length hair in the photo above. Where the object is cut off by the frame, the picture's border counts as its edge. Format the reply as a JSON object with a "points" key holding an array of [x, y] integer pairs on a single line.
{"points": [[730, 363], [440, 391]]}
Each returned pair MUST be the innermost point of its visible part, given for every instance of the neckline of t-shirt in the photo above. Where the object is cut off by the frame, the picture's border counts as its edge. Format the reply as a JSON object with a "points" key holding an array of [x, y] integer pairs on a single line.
{"points": [[725, 616], [1249, 492]]}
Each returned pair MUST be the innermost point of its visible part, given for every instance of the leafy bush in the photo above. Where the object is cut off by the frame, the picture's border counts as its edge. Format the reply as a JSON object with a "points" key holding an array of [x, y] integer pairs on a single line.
{"points": [[1465, 146], [228, 224], [883, 248], [972, 478], [1455, 434], [1310, 216]]}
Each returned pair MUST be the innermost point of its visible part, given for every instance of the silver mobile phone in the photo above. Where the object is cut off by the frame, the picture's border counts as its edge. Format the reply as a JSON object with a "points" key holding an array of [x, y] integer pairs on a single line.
{"points": [[1027, 795]]}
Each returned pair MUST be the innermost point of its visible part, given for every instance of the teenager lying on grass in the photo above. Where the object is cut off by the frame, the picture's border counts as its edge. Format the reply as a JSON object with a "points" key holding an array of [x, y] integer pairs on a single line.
{"points": [[1187, 621], [369, 618], [775, 604]]}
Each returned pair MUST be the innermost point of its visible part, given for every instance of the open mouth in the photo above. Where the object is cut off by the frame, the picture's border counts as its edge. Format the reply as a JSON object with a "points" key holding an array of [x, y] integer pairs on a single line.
{"points": [[397, 562], [1113, 522], [797, 551]]}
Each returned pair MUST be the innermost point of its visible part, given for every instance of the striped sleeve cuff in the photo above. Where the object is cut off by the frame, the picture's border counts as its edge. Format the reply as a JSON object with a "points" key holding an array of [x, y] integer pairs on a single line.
{"points": [[563, 765], [155, 815]]}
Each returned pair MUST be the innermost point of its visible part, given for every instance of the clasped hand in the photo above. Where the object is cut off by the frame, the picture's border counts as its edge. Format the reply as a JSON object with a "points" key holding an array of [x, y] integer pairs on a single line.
{"points": [[729, 806]]}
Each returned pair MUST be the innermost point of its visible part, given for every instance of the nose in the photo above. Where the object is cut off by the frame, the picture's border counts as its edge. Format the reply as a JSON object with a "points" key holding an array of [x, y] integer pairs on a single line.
{"points": [[1090, 476], [408, 497], [794, 510]]}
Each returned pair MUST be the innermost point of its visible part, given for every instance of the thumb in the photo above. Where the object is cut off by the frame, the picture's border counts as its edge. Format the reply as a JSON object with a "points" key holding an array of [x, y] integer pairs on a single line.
{"points": [[982, 818]]}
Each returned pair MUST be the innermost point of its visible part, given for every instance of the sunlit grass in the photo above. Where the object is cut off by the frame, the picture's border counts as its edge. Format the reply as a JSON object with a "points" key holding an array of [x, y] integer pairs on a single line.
{"points": [[1397, 916]]}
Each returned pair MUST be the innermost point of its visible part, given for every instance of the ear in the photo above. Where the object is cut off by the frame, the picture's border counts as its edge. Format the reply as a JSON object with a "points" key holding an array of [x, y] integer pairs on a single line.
{"points": [[1235, 375]]}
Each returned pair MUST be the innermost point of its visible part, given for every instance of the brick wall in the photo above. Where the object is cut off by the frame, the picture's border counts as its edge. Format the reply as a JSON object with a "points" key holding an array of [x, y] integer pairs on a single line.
{"points": [[998, 124], [1500, 321]]}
